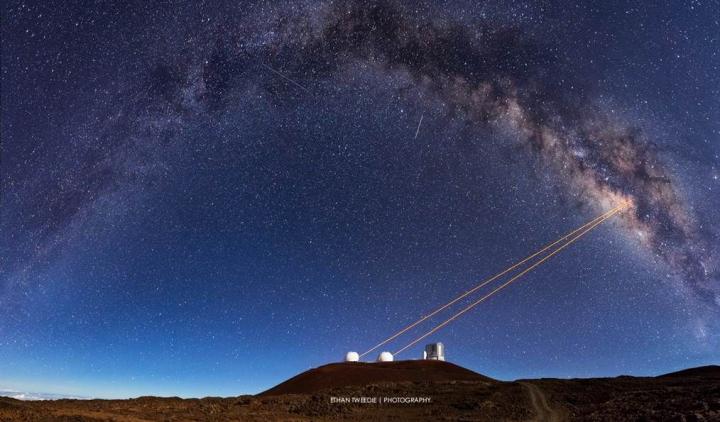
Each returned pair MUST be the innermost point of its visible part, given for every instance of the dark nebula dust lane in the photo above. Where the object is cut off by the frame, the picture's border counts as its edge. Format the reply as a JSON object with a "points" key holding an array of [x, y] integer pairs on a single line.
{"points": [[494, 75], [219, 169]]}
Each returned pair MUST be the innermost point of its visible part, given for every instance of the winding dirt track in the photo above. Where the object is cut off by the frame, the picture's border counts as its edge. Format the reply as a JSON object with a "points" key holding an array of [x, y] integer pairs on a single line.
{"points": [[540, 403]]}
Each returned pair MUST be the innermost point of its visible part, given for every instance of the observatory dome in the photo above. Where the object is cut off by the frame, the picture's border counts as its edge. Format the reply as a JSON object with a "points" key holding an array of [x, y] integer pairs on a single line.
{"points": [[385, 357], [352, 357]]}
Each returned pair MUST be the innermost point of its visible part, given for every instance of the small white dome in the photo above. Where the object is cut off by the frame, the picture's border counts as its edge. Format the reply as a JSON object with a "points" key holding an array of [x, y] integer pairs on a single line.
{"points": [[352, 357], [385, 357]]}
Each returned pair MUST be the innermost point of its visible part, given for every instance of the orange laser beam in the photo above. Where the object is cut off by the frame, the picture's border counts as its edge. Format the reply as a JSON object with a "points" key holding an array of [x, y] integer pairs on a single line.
{"points": [[489, 280], [513, 279]]}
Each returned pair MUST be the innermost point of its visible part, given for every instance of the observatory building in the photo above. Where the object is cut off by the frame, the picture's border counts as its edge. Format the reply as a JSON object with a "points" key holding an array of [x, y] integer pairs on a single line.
{"points": [[385, 357], [434, 351]]}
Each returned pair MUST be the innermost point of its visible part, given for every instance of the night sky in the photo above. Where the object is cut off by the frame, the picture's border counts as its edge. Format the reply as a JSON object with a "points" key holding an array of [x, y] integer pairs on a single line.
{"points": [[206, 198]]}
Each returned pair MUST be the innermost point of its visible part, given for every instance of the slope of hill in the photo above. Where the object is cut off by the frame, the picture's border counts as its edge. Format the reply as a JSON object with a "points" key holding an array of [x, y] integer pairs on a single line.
{"points": [[445, 392], [700, 371], [336, 375]]}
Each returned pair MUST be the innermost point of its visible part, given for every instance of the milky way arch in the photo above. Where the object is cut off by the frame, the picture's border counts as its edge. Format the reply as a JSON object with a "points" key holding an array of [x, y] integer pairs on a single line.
{"points": [[497, 76], [492, 75]]}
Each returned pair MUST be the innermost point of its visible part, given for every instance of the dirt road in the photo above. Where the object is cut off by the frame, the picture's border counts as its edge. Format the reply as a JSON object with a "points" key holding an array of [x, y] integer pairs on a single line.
{"points": [[540, 403]]}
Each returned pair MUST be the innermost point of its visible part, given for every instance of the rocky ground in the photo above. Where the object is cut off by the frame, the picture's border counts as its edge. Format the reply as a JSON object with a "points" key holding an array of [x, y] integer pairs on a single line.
{"points": [[693, 395]]}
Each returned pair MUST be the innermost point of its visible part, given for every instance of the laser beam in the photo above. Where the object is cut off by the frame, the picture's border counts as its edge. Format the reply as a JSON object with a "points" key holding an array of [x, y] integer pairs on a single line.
{"points": [[513, 279], [489, 280]]}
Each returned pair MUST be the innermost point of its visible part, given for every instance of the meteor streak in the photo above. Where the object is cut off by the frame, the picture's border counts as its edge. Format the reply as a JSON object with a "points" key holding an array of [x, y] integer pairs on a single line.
{"points": [[493, 278], [513, 279], [285, 77], [418, 128]]}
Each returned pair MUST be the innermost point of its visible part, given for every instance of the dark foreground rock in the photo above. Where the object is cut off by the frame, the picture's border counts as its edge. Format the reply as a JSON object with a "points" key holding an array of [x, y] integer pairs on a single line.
{"points": [[440, 392]]}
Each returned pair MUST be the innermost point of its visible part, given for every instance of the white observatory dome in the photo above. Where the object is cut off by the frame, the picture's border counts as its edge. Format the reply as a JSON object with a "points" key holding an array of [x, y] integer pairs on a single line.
{"points": [[352, 357], [385, 357]]}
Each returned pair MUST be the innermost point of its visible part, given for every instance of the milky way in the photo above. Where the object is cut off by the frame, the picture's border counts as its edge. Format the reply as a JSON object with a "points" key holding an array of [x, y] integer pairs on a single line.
{"points": [[494, 76], [491, 75]]}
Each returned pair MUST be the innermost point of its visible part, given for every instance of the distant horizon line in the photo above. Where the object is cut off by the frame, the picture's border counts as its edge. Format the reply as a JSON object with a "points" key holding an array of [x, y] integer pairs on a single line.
{"points": [[40, 396]]}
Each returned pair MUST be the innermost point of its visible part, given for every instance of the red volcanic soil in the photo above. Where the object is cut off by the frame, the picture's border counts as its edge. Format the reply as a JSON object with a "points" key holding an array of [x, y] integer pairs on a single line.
{"points": [[336, 375], [452, 393]]}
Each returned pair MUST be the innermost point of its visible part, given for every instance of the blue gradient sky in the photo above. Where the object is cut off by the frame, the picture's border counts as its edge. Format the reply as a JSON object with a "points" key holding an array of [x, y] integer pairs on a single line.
{"points": [[179, 222]]}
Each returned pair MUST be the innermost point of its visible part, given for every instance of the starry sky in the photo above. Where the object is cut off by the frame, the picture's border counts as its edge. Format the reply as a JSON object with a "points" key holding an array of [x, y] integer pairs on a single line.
{"points": [[206, 198]]}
